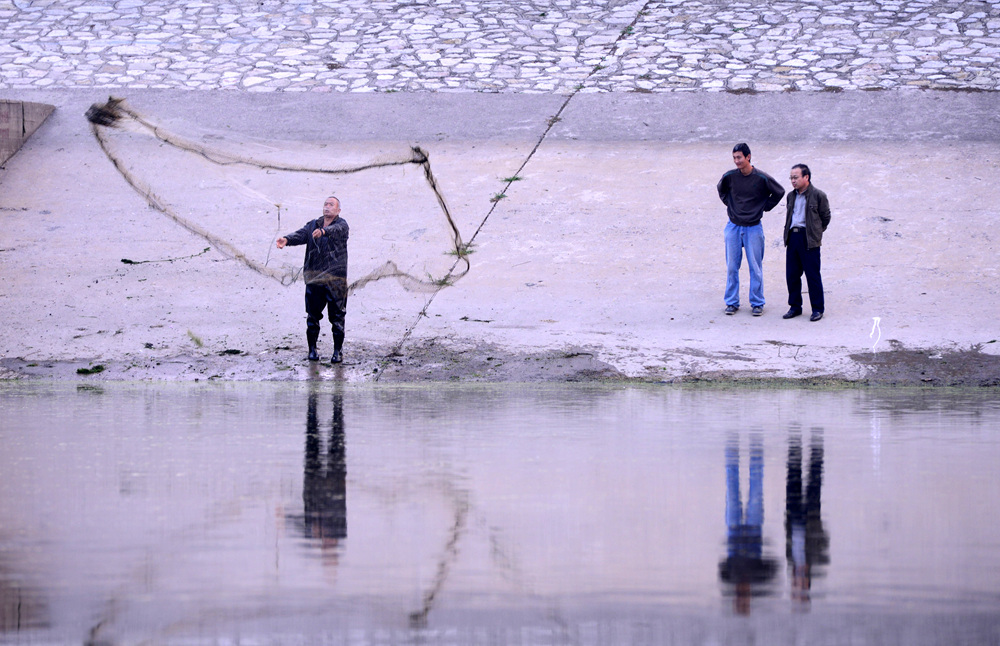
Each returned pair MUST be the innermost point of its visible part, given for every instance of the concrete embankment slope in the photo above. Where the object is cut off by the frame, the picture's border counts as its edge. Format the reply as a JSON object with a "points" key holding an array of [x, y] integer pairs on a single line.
{"points": [[592, 220]]}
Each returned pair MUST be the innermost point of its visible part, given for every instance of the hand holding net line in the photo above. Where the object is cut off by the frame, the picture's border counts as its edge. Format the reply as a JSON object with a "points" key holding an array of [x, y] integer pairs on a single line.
{"points": [[116, 113]]}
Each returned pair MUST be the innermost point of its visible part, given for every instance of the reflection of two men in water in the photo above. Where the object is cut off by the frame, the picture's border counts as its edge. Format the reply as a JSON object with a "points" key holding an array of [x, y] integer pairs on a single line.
{"points": [[324, 484], [747, 570]]}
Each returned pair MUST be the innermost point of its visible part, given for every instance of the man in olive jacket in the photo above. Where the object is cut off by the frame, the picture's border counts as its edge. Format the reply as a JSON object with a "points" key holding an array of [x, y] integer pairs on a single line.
{"points": [[808, 215]]}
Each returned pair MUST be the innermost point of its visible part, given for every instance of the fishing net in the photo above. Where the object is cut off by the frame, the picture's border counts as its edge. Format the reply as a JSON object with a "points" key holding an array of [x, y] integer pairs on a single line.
{"points": [[240, 195]]}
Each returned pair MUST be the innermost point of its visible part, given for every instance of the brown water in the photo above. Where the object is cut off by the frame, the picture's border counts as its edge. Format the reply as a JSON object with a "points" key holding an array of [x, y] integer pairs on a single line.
{"points": [[298, 514]]}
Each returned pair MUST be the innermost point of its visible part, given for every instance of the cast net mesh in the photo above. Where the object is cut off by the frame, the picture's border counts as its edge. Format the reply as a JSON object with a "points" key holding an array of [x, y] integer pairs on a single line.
{"points": [[240, 195]]}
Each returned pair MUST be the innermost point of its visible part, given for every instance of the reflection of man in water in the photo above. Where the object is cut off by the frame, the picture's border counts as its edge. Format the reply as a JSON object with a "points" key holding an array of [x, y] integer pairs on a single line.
{"points": [[324, 487], [745, 567], [22, 606], [325, 274], [806, 543]]}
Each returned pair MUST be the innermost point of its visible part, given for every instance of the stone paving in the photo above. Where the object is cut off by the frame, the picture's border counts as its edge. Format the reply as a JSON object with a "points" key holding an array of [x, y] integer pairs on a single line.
{"points": [[537, 46]]}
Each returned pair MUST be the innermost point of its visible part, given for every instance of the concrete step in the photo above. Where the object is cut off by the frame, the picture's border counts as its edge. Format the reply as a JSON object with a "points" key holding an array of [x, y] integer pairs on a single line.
{"points": [[18, 121]]}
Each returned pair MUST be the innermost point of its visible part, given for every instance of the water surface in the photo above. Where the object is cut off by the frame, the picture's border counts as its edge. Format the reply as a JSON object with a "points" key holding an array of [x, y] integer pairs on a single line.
{"points": [[297, 513]]}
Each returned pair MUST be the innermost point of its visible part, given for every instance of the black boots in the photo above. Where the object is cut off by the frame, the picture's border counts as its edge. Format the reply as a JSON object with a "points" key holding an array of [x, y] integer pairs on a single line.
{"points": [[311, 337], [338, 343]]}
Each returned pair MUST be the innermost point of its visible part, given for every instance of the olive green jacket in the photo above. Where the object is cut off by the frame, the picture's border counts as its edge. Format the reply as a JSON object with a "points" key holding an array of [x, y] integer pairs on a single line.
{"points": [[817, 215]]}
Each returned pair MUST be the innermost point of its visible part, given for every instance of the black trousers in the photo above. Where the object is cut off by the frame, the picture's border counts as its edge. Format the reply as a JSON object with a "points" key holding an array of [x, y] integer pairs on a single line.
{"points": [[799, 260], [330, 295]]}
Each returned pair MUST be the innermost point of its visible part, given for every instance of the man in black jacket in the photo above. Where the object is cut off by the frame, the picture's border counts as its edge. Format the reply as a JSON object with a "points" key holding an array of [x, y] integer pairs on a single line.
{"points": [[808, 215], [325, 274], [747, 193]]}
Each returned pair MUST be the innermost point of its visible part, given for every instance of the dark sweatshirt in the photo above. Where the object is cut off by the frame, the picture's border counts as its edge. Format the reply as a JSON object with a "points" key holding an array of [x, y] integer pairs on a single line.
{"points": [[747, 196], [326, 256]]}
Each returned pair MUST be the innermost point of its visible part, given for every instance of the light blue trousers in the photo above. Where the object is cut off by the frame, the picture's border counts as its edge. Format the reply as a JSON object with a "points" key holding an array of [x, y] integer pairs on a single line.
{"points": [[737, 239], [754, 513]]}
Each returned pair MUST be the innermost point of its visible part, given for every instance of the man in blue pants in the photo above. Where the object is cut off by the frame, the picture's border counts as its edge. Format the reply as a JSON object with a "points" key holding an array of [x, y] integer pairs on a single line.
{"points": [[747, 194]]}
